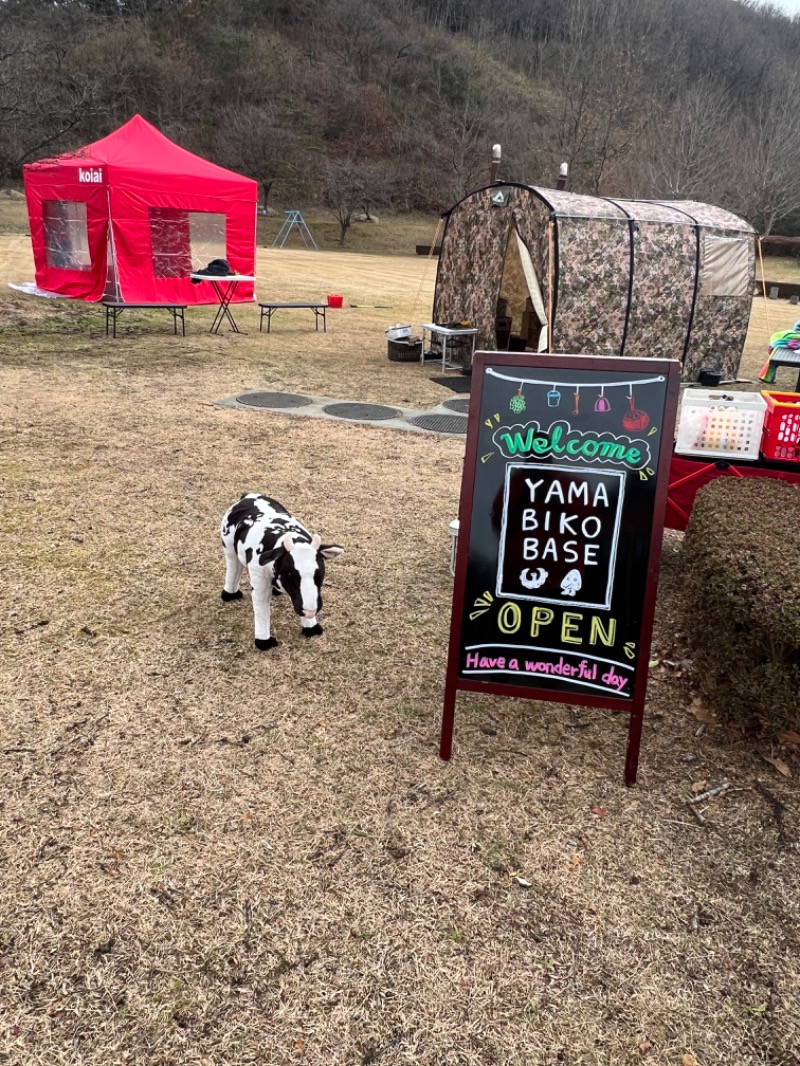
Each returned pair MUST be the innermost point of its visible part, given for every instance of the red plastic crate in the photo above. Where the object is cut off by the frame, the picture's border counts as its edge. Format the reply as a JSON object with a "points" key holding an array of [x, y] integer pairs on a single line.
{"points": [[780, 439]]}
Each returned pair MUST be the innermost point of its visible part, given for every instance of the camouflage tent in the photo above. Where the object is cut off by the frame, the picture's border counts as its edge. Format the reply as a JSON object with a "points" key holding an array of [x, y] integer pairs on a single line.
{"points": [[607, 277]]}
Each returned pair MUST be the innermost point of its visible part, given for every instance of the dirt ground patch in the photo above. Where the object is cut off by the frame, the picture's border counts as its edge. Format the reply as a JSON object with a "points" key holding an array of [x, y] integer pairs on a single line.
{"points": [[212, 856]]}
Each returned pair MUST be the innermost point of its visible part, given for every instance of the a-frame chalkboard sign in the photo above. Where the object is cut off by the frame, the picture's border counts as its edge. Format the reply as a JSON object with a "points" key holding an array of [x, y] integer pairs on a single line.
{"points": [[560, 529]]}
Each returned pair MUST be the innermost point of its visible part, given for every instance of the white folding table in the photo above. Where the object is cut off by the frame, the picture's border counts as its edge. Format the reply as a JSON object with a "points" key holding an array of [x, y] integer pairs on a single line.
{"points": [[446, 333], [224, 295]]}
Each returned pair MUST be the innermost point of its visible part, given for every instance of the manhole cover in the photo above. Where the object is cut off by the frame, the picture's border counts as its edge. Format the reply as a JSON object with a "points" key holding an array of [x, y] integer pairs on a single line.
{"points": [[440, 423], [273, 399], [374, 412], [457, 405]]}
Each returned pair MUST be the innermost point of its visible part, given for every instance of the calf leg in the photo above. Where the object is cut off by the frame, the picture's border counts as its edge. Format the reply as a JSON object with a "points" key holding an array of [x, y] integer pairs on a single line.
{"points": [[310, 627], [233, 575], [261, 581]]}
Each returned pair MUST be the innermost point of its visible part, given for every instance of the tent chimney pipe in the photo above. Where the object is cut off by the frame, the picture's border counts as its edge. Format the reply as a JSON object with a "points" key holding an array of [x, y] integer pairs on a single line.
{"points": [[497, 153], [563, 172]]}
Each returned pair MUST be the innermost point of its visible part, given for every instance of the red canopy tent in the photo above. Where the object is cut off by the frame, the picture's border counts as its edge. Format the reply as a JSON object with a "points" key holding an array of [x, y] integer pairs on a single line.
{"points": [[132, 215]]}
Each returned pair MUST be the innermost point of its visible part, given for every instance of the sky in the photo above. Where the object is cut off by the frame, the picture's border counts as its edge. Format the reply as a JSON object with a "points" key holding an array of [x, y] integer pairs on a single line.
{"points": [[790, 7]]}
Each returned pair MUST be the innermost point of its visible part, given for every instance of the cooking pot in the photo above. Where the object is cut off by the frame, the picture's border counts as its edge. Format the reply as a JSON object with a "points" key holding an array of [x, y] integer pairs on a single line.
{"points": [[398, 332]]}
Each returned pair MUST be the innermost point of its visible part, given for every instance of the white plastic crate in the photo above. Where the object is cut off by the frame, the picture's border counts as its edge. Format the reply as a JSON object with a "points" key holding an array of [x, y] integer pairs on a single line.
{"points": [[720, 423]]}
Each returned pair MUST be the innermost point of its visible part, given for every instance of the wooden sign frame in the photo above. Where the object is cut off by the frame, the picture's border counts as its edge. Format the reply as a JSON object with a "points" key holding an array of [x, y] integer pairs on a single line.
{"points": [[625, 474]]}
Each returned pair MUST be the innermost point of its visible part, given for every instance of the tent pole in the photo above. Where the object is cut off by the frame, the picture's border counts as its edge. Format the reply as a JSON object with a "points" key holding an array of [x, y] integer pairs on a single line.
{"points": [[764, 285], [428, 259], [550, 251]]}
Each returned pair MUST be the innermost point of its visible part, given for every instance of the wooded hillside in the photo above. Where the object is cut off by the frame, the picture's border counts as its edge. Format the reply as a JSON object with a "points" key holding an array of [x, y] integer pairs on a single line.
{"points": [[397, 104]]}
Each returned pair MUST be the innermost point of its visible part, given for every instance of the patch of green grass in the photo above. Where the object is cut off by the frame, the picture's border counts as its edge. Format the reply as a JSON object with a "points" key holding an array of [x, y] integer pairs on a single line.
{"points": [[498, 859], [179, 1003], [183, 822], [778, 268], [394, 234]]}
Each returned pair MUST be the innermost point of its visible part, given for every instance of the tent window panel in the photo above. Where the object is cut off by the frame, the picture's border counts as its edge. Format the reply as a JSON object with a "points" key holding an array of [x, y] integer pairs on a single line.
{"points": [[183, 241], [170, 239], [725, 269], [209, 238], [66, 235]]}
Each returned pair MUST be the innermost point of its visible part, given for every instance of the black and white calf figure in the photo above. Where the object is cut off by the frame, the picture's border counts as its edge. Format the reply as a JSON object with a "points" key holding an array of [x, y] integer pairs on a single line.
{"points": [[280, 555]]}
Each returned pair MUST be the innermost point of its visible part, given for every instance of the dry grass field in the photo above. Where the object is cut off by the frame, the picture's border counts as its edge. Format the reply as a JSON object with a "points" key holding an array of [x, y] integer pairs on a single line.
{"points": [[215, 857]]}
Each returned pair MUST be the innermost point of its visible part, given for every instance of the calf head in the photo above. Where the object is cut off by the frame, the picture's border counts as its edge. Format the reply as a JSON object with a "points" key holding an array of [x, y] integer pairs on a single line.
{"points": [[299, 570]]}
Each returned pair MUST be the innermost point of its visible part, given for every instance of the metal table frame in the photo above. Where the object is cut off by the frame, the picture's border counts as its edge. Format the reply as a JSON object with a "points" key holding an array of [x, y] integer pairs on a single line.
{"points": [[114, 309], [267, 310], [224, 295], [446, 332]]}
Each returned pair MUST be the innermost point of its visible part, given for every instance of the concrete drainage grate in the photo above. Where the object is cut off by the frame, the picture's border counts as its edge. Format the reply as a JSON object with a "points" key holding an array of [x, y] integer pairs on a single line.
{"points": [[440, 423], [372, 412], [273, 399], [462, 406]]}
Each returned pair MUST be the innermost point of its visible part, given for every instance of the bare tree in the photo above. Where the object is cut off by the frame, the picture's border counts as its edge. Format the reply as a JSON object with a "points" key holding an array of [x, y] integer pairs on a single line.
{"points": [[691, 146], [402, 101], [263, 142], [471, 104], [349, 187], [357, 33], [603, 100], [766, 178], [44, 94]]}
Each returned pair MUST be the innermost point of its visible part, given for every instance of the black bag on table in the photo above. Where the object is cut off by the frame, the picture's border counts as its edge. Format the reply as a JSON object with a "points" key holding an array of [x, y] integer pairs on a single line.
{"points": [[217, 268]]}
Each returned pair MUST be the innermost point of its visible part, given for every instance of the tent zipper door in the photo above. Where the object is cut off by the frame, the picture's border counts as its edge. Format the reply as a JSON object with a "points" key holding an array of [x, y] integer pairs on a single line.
{"points": [[521, 317]]}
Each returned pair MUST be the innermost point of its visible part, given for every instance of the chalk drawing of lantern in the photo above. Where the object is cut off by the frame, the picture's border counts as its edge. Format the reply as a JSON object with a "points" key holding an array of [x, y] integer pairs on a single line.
{"points": [[571, 583]]}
